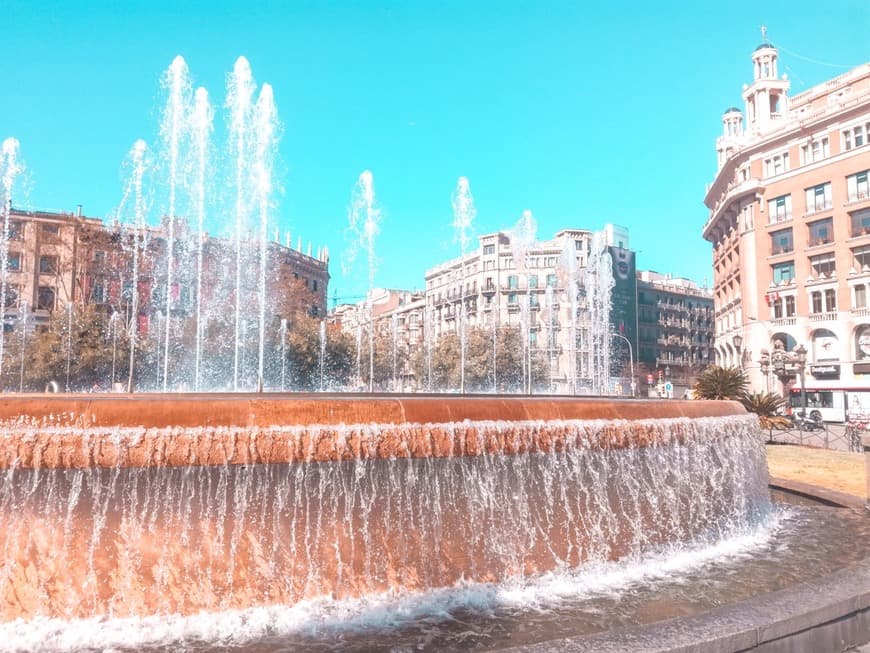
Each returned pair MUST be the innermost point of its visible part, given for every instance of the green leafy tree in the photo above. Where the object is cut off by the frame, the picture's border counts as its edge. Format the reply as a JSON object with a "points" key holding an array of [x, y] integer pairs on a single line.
{"points": [[717, 382]]}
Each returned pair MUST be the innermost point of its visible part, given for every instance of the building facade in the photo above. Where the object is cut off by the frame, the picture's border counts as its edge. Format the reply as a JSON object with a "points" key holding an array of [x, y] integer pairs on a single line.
{"points": [[55, 259], [790, 226], [526, 286], [675, 329]]}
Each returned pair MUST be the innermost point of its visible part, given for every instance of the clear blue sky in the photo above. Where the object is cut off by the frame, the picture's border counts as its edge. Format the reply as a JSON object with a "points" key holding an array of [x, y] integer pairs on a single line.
{"points": [[585, 115]]}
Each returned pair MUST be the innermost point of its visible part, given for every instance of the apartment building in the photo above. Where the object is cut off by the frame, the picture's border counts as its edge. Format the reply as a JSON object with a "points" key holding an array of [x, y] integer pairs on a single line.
{"points": [[399, 321], [506, 282], [675, 328], [54, 259], [790, 226]]}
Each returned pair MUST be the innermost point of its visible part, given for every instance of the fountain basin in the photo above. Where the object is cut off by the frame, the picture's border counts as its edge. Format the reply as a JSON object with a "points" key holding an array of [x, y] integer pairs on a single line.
{"points": [[84, 431], [136, 506]]}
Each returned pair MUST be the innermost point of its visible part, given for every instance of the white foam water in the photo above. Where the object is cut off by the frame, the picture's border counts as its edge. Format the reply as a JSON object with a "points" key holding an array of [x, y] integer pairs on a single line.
{"points": [[327, 619]]}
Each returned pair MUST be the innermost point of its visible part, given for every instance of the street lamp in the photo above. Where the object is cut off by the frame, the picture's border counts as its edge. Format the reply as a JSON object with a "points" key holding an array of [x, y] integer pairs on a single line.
{"points": [[738, 344], [801, 363], [630, 358]]}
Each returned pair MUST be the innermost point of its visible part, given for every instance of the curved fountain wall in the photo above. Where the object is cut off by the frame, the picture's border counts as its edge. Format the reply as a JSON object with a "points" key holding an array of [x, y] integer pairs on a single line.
{"points": [[157, 504]]}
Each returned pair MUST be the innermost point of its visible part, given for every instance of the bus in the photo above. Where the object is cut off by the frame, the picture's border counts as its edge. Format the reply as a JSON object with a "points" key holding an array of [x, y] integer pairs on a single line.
{"points": [[832, 404]]}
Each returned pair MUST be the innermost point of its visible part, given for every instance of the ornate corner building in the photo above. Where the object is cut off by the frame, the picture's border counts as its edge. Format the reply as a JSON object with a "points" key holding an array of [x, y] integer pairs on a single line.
{"points": [[790, 226]]}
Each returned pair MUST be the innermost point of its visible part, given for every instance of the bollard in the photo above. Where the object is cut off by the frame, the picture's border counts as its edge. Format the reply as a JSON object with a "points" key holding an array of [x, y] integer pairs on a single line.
{"points": [[865, 441]]}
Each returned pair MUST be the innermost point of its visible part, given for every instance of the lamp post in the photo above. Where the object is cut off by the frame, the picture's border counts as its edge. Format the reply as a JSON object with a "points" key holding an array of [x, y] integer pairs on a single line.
{"points": [[738, 344], [613, 334], [801, 362]]}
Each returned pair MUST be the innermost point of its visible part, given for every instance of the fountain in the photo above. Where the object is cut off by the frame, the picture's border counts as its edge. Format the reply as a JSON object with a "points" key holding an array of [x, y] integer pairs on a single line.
{"points": [[322, 521], [123, 512]]}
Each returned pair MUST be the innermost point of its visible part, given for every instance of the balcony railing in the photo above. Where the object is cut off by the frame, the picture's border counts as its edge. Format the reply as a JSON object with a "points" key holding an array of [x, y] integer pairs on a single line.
{"points": [[824, 317], [784, 321]]}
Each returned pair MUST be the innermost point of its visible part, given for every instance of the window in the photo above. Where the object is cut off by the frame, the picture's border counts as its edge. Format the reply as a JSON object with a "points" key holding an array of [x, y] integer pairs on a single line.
{"points": [[862, 343], [533, 281], [857, 187], [783, 272], [779, 208], [819, 198], [488, 249], [781, 241], [855, 136], [776, 165], [16, 230], [99, 292], [578, 245], [821, 232], [816, 301], [45, 298], [822, 265], [551, 280], [861, 256], [314, 285], [47, 265], [13, 263], [533, 300], [816, 150], [860, 300], [790, 306], [513, 282], [10, 300], [860, 223], [512, 298], [830, 300], [489, 284], [50, 230]]}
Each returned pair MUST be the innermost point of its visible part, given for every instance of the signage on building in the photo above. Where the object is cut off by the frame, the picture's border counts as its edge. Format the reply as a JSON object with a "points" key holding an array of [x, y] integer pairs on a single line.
{"points": [[861, 368], [825, 371], [623, 297]]}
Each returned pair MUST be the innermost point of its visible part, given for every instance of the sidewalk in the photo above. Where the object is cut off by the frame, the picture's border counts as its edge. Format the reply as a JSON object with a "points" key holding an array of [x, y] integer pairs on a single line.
{"points": [[834, 470]]}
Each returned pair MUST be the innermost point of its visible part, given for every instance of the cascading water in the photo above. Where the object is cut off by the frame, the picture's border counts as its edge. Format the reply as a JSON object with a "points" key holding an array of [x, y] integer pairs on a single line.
{"points": [[598, 284], [174, 130], [265, 139], [240, 93], [463, 219], [131, 214], [135, 541], [569, 277], [10, 169], [363, 226], [201, 120], [522, 238]]}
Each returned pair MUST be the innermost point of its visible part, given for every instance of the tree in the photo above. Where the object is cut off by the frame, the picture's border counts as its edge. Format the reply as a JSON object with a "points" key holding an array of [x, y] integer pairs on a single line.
{"points": [[768, 407], [721, 383]]}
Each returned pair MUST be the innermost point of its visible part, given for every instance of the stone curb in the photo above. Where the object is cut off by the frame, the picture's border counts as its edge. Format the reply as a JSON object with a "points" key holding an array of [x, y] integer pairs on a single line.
{"points": [[816, 493]]}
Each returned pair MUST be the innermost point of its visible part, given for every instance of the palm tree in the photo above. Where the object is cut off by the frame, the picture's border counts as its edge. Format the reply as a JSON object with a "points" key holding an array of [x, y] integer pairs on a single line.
{"points": [[768, 407], [721, 383]]}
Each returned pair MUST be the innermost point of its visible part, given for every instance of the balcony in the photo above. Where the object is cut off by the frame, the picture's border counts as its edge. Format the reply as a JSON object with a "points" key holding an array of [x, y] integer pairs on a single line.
{"points": [[830, 316], [784, 321]]}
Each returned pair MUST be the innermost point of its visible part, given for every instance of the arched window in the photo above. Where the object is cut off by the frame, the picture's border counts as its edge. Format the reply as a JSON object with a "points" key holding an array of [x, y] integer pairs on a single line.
{"points": [[826, 347], [862, 342]]}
